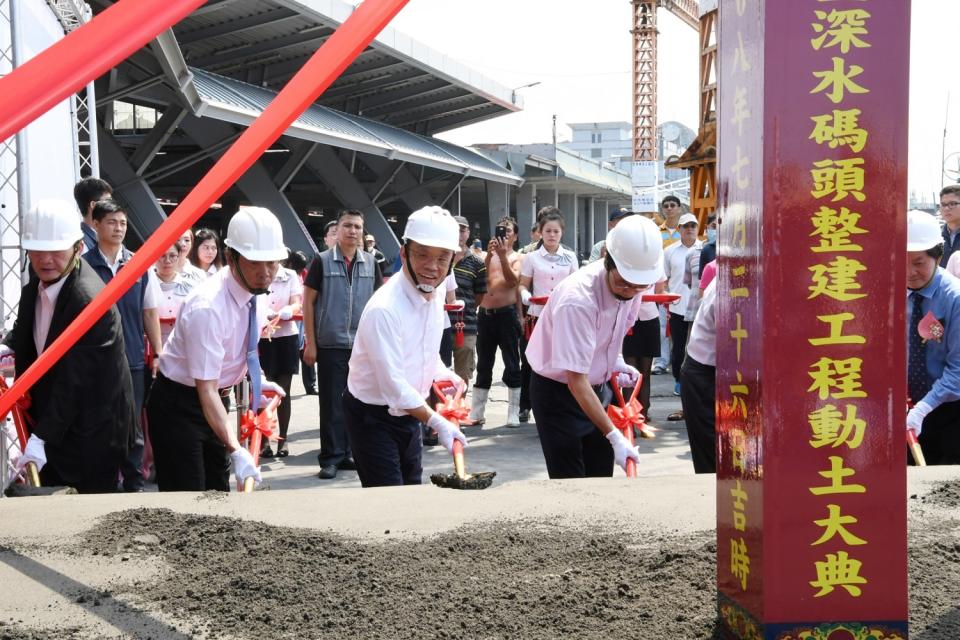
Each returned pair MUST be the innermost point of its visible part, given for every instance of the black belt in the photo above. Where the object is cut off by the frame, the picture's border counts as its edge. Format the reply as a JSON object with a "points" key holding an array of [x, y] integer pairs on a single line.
{"points": [[510, 308], [224, 391]]}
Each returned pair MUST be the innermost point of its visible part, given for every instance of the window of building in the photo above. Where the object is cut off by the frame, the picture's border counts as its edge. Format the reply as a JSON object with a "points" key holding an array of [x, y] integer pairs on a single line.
{"points": [[595, 153], [131, 118], [595, 138]]}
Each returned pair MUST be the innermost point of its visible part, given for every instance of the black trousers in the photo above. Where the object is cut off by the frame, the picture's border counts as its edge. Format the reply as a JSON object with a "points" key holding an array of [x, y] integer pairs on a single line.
{"points": [[698, 395], [131, 468], [187, 454], [679, 329], [940, 436], [446, 347], [388, 450], [91, 470], [572, 445], [333, 367], [498, 328]]}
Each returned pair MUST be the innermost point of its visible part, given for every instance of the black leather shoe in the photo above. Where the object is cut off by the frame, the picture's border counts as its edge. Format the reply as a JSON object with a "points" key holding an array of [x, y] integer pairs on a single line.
{"points": [[266, 452], [312, 391], [430, 439], [347, 465], [524, 415], [328, 472]]}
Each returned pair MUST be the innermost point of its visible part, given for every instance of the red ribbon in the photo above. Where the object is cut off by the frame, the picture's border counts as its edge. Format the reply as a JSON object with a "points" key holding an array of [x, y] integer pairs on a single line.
{"points": [[452, 408], [21, 418]]}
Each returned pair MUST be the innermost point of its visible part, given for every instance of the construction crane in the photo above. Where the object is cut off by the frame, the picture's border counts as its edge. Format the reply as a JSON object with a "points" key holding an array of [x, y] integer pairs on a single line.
{"points": [[700, 157]]}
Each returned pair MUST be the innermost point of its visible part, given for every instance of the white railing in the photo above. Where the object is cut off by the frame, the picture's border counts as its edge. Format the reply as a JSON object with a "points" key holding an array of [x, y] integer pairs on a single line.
{"points": [[678, 188]]}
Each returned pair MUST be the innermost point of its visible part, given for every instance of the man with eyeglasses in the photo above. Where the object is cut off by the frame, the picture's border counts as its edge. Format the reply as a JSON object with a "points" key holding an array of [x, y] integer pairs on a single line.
{"points": [[950, 212], [674, 265], [577, 348]]}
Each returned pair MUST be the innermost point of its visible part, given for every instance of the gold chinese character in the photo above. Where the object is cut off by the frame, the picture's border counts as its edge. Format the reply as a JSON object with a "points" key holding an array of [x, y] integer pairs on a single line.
{"points": [[739, 271], [838, 570], [830, 427], [842, 27], [835, 525], [836, 331], [835, 475], [740, 55], [839, 80], [837, 378], [836, 279], [841, 178], [742, 178], [835, 228], [739, 561], [739, 334], [738, 403], [739, 507], [741, 111], [842, 127]]}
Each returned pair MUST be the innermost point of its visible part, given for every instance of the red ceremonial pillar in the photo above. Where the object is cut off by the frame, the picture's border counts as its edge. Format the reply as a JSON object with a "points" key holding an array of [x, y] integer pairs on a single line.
{"points": [[811, 389]]}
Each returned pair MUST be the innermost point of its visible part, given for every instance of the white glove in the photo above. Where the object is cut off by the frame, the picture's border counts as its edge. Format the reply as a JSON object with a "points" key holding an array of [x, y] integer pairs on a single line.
{"points": [[447, 374], [6, 357], [447, 432], [627, 376], [271, 387], [286, 313], [34, 452], [916, 415], [244, 468], [622, 451], [525, 296]]}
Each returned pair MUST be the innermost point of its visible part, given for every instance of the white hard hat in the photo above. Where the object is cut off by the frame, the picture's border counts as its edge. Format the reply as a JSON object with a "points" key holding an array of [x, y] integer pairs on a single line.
{"points": [[255, 233], [51, 225], [923, 231], [636, 247], [433, 227]]}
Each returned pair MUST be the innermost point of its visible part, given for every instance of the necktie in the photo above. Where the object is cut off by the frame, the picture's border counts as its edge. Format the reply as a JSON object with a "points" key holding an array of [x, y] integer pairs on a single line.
{"points": [[253, 358], [918, 381]]}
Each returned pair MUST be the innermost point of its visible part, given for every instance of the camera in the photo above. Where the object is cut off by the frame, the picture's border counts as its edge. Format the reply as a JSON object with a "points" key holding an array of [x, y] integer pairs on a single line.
{"points": [[501, 232]]}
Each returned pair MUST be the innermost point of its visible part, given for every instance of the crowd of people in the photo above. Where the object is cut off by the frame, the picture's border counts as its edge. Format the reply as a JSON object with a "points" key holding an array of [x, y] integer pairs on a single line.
{"points": [[149, 387]]}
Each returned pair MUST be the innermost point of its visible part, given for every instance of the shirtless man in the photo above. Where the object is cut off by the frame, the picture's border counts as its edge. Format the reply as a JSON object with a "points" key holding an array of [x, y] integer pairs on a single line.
{"points": [[498, 324]]}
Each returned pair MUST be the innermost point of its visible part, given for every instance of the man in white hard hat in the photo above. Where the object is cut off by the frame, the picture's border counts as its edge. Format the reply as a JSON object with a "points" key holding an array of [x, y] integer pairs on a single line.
{"points": [[396, 358], [82, 410], [211, 349], [577, 348], [933, 365]]}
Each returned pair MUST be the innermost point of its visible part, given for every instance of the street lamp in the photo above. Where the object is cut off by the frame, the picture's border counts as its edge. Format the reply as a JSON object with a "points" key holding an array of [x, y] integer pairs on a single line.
{"points": [[513, 92]]}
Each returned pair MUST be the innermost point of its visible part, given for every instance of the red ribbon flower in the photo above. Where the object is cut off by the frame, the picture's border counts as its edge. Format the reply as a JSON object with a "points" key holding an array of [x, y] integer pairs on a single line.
{"points": [[930, 328]]}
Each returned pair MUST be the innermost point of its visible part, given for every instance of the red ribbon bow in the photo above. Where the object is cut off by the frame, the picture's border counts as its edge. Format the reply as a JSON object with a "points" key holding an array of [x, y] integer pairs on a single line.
{"points": [[264, 423], [452, 408]]}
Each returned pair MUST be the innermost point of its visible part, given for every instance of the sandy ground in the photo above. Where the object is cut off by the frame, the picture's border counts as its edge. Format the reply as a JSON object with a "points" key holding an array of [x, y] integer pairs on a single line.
{"points": [[527, 558]]}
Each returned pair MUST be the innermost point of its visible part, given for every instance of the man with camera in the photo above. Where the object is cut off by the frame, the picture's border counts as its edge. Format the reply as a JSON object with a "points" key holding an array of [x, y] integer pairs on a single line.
{"points": [[498, 322]]}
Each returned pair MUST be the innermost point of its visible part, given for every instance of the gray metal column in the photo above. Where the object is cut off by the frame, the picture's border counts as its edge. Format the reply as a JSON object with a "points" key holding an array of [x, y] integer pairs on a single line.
{"points": [[568, 206], [591, 221], [256, 183], [601, 215], [405, 183], [348, 190], [526, 210], [129, 188], [498, 202]]}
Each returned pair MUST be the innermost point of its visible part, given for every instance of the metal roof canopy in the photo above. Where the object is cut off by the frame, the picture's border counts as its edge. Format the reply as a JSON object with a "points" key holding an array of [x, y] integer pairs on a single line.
{"points": [[241, 103], [396, 80], [546, 165]]}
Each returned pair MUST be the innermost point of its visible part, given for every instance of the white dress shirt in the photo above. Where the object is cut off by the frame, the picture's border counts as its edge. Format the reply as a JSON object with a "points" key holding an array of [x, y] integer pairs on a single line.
{"points": [[547, 270], [43, 312], [285, 285], [396, 354], [702, 345], [172, 296], [209, 339], [674, 264]]}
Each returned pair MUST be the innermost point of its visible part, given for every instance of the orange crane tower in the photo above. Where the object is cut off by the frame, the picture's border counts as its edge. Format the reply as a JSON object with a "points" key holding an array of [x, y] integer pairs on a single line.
{"points": [[700, 157]]}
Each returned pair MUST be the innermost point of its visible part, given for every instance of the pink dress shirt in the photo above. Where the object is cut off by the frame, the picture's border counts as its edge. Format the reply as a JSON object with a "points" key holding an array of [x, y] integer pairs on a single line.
{"points": [[581, 328]]}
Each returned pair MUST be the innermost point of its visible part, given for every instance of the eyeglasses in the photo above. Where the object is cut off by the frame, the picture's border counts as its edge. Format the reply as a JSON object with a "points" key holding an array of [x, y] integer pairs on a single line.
{"points": [[949, 205]]}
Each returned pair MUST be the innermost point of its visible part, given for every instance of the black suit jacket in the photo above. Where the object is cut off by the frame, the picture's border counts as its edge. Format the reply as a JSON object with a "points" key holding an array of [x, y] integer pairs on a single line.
{"points": [[83, 407]]}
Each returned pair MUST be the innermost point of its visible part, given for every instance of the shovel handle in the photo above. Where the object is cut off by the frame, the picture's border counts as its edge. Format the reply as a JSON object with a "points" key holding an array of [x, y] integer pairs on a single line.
{"points": [[459, 466], [33, 475], [915, 449], [248, 484], [631, 468]]}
